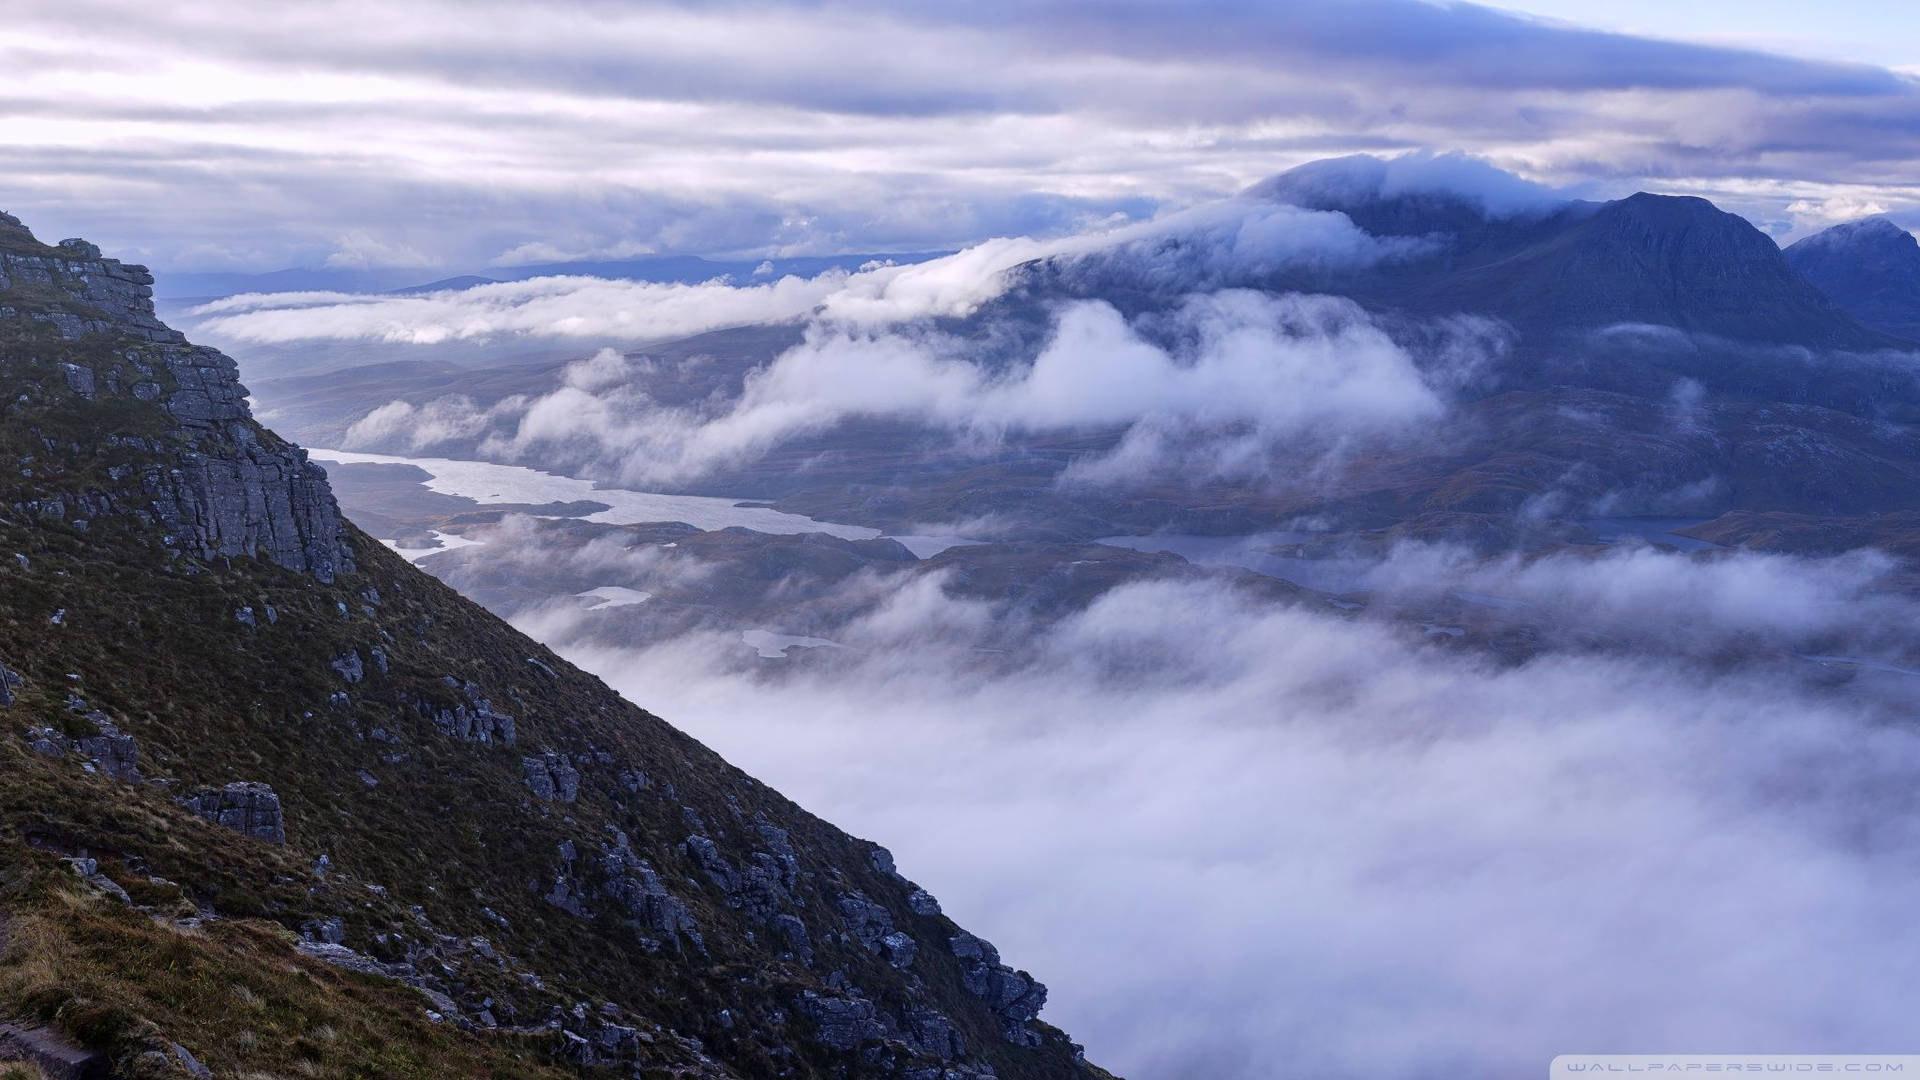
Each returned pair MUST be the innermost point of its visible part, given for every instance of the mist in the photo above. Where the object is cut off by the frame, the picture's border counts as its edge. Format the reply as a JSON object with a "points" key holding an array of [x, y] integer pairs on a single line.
{"points": [[1230, 235], [1241, 838], [1214, 386]]}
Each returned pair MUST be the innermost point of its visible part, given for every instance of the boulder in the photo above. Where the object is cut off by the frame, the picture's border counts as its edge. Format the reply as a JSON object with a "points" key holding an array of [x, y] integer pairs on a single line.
{"points": [[245, 807]]}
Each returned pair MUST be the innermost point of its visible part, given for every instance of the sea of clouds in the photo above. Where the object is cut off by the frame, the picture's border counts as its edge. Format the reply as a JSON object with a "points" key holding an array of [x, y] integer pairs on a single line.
{"points": [[1670, 807], [1242, 838]]}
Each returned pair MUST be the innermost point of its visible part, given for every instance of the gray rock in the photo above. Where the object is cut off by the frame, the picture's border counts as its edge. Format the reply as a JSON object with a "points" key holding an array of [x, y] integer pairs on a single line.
{"points": [[10, 685], [111, 752], [342, 957], [327, 931], [898, 948], [793, 933], [951, 1072], [349, 666], [48, 742], [868, 922], [476, 721], [923, 902], [1013, 996], [565, 896], [638, 891], [707, 857], [551, 776], [233, 490], [932, 1033], [245, 807], [79, 379], [842, 1023]]}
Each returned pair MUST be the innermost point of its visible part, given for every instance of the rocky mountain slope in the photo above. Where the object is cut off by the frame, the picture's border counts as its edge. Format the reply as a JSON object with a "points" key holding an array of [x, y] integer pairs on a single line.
{"points": [[276, 804], [1870, 268]]}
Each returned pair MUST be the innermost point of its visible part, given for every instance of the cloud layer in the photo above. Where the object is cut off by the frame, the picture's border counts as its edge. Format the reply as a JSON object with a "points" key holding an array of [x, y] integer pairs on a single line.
{"points": [[1231, 833], [1227, 377], [352, 133]]}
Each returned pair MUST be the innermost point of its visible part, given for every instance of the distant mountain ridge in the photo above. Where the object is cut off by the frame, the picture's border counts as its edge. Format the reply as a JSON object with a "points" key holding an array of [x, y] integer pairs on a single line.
{"points": [[682, 269], [1870, 269], [1649, 355]]}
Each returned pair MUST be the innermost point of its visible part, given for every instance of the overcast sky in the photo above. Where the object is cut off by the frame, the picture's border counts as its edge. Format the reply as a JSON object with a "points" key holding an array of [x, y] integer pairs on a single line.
{"points": [[226, 135]]}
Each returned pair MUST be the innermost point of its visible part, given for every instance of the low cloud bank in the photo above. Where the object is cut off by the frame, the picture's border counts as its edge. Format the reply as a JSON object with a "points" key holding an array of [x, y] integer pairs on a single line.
{"points": [[1240, 838], [1213, 385], [1234, 236]]}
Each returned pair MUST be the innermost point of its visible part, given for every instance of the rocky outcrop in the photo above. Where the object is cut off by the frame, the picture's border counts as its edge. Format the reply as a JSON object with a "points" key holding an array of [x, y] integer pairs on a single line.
{"points": [[637, 891], [119, 295], [1014, 996], [106, 749], [551, 776], [111, 752], [842, 1023], [475, 720], [868, 922], [244, 807], [218, 484]]}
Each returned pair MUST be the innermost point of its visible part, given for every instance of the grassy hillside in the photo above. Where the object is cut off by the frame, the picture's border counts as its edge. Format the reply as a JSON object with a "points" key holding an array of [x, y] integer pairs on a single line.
{"points": [[492, 865]]}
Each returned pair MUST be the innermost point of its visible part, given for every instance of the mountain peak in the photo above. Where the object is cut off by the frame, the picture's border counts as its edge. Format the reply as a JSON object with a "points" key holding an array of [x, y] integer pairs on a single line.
{"points": [[1453, 180], [1878, 229], [1870, 268]]}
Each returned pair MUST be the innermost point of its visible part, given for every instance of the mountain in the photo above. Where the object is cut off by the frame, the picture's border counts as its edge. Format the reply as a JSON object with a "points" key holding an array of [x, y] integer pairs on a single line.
{"points": [[452, 284], [275, 803], [1554, 270], [1647, 356], [1662, 260], [1870, 268]]}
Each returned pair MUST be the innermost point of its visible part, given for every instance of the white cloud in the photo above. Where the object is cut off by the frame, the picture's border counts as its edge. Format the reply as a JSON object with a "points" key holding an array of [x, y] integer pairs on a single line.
{"points": [[1230, 833], [1248, 371], [361, 250], [1237, 236]]}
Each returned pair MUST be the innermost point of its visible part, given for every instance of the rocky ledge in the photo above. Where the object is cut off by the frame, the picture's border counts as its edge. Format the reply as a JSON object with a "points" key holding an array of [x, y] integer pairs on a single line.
{"points": [[217, 483]]}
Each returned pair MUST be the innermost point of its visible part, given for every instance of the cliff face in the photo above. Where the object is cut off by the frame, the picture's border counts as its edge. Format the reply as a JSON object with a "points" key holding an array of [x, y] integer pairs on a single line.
{"points": [[214, 481], [272, 802]]}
